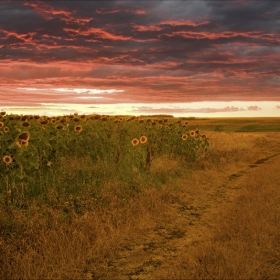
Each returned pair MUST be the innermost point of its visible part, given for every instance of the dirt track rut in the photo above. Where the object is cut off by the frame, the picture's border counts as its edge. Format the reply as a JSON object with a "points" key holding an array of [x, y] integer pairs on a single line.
{"points": [[165, 242]]}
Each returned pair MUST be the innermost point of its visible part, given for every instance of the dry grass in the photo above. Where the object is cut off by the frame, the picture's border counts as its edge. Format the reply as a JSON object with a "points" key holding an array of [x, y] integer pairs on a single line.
{"points": [[243, 242], [240, 237]]}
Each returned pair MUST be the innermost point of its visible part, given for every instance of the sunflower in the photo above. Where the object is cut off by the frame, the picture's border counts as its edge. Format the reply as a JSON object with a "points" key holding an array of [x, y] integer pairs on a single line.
{"points": [[192, 133], [25, 123], [1, 124], [184, 136], [97, 117], [76, 119], [204, 136], [135, 142], [24, 136], [143, 139], [59, 127], [3, 113], [160, 126], [24, 118], [197, 131], [21, 142], [53, 121], [7, 159], [78, 128], [6, 129], [44, 122]]}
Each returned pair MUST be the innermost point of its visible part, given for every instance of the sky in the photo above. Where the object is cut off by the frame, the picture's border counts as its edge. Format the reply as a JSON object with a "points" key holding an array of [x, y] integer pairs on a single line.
{"points": [[182, 58]]}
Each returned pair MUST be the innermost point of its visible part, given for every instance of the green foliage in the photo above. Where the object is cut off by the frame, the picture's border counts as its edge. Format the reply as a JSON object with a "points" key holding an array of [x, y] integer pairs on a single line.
{"points": [[32, 148]]}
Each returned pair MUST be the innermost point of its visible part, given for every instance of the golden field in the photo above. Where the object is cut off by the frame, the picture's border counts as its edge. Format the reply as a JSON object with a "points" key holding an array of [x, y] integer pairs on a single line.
{"points": [[213, 218]]}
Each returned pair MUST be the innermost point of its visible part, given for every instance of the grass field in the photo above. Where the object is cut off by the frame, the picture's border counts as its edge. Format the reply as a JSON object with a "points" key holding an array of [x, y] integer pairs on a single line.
{"points": [[159, 212]]}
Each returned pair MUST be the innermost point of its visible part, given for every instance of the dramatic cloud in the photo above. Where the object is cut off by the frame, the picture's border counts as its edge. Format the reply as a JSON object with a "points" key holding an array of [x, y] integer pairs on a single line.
{"points": [[139, 52]]}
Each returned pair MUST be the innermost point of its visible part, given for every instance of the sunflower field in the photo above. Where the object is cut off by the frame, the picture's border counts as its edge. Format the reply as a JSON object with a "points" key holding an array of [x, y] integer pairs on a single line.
{"points": [[32, 149]]}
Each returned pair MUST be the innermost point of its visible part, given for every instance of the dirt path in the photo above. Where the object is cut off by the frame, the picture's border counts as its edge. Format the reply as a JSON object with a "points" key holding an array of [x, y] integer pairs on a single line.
{"points": [[165, 242]]}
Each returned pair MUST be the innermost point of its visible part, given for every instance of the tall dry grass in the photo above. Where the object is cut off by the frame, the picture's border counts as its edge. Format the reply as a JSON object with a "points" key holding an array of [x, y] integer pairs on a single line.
{"points": [[40, 242], [244, 240]]}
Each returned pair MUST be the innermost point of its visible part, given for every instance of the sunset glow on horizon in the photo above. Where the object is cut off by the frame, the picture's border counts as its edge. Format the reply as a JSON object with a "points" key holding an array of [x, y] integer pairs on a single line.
{"points": [[181, 58]]}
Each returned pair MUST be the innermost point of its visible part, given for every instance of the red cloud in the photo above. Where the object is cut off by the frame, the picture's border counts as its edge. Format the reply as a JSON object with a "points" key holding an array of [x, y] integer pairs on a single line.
{"points": [[184, 22], [253, 108], [224, 34], [98, 32]]}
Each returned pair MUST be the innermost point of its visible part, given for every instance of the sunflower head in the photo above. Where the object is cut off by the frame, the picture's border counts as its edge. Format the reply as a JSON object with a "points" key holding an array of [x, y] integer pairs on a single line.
{"points": [[21, 142], [24, 136], [7, 159], [97, 117], [78, 128], [53, 121], [59, 127], [24, 118], [25, 124], [44, 122], [160, 126], [184, 137], [6, 129], [143, 139], [1, 124], [192, 133], [135, 142], [2, 113]]}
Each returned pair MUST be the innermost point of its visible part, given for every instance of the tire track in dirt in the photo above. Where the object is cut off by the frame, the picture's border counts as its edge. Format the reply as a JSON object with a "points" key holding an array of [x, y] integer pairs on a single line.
{"points": [[164, 243]]}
